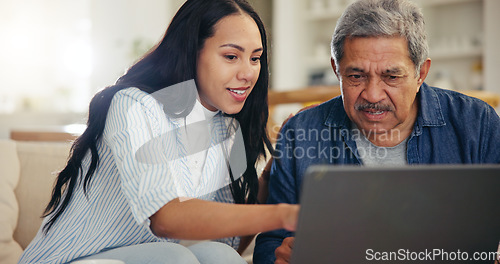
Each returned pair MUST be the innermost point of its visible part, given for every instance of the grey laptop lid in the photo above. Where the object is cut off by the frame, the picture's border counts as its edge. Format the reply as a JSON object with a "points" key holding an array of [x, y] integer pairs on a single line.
{"points": [[429, 213]]}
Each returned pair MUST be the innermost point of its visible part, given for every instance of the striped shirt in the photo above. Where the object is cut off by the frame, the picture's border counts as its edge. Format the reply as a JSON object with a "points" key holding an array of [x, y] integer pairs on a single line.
{"points": [[144, 163]]}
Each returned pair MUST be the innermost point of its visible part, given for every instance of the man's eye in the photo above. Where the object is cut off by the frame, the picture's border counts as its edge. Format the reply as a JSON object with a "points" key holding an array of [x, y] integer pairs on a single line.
{"points": [[355, 76], [393, 78]]}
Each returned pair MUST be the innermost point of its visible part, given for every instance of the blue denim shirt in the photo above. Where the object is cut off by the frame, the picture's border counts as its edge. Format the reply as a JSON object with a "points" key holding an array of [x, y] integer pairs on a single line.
{"points": [[450, 128]]}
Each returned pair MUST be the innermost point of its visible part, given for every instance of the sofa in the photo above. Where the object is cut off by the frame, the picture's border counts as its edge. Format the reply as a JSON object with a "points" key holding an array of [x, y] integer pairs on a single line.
{"points": [[27, 173]]}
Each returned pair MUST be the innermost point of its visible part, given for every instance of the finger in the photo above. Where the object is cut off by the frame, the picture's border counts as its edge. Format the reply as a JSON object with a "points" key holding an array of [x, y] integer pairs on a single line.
{"points": [[289, 241], [292, 242], [283, 253]]}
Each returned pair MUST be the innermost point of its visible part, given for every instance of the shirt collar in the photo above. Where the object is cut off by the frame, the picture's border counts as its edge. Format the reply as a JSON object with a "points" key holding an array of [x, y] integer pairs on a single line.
{"points": [[430, 112], [337, 117]]}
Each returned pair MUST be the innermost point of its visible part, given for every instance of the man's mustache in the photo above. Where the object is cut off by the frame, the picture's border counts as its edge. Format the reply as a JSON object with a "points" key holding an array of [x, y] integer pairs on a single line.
{"points": [[373, 107]]}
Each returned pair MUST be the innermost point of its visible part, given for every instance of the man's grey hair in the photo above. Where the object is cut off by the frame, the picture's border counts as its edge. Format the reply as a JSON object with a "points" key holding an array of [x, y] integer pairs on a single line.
{"points": [[383, 18]]}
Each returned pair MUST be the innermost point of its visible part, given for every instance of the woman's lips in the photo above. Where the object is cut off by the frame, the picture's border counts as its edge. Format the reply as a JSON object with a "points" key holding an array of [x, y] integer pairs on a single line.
{"points": [[239, 94]]}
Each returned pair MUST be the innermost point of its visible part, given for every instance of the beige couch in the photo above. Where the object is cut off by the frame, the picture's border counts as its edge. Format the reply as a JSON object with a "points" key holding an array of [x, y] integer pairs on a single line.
{"points": [[27, 173]]}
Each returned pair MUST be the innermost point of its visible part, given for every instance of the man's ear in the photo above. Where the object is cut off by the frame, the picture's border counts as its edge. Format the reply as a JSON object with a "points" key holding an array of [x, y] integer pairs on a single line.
{"points": [[424, 70], [334, 67]]}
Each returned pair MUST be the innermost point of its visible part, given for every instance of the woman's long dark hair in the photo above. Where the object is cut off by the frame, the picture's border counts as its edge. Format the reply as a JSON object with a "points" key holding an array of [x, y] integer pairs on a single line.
{"points": [[171, 61]]}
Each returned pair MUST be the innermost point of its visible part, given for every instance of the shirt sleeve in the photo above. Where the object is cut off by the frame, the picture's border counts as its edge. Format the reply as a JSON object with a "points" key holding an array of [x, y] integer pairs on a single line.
{"points": [[490, 143], [135, 120]]}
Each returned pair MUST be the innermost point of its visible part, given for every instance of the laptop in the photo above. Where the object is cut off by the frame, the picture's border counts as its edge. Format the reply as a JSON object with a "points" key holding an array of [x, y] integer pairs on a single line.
{"points": [[428, 214]]}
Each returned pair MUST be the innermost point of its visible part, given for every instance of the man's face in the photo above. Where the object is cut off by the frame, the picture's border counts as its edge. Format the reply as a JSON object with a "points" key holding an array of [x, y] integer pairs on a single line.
{"points": [[379, 85]]}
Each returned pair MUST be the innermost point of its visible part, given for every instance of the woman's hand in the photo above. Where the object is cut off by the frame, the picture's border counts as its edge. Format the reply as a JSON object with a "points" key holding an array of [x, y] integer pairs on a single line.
{"points": [[195, 219], [290, 216]]}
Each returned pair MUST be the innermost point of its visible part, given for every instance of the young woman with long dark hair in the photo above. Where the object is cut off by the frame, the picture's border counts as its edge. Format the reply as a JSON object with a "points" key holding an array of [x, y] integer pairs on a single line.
{"points": [[156, 163]]}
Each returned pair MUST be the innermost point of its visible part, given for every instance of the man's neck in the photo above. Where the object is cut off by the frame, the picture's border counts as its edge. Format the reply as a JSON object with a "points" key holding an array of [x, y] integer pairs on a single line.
{"points": [[389, 138]]}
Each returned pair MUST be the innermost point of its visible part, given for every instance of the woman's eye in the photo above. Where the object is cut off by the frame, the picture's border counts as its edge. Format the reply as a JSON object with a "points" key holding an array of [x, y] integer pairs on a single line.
{"points": [[256, 59], [230, 57]]}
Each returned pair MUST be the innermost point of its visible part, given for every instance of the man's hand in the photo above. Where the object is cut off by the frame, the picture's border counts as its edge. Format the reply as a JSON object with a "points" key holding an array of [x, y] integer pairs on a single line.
{"points": [[284, 252]]}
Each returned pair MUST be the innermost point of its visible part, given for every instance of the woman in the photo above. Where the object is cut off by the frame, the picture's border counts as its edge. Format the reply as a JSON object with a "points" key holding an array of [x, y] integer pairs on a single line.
{"points": [[140, 178]]}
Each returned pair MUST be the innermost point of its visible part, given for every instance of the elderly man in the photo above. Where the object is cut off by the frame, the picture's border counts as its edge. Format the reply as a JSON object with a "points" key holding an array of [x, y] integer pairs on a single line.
{"points": [[386, 115]]}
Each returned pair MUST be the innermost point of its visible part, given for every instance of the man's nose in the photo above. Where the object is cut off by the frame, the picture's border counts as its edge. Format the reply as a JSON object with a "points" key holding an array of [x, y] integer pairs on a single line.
{"points": [[374, 91]]}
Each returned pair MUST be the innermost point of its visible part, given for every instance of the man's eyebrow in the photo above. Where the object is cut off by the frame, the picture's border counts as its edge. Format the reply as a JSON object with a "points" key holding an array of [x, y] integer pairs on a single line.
{"points": [[354, 69], [238, 47], [394, 71]]}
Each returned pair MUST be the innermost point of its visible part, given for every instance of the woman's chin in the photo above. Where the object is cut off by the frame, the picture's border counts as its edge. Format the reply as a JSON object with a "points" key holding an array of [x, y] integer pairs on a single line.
{"points": [[232, 110]]}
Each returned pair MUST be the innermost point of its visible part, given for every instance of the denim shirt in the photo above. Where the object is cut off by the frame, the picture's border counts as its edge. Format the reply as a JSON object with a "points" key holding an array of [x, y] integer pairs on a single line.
{"points": [[450, 128]]}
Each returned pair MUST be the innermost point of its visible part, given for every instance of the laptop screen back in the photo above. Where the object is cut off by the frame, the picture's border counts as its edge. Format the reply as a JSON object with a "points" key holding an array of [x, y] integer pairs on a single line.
{"points": [[427, 213]]}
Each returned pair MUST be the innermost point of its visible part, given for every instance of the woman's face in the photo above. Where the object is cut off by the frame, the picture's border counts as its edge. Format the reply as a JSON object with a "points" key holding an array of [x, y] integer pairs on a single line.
{"points": [[229, 64]]}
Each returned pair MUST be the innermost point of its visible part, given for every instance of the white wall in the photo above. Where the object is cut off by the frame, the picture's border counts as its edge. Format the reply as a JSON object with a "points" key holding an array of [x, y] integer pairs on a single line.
{"points": [[119, 25], [44, 54], [492, 45], [288, 68], [47, 44]]}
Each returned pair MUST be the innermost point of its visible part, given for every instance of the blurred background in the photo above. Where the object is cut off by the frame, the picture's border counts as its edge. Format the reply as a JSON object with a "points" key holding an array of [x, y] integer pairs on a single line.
{"points": [[55, 54]]}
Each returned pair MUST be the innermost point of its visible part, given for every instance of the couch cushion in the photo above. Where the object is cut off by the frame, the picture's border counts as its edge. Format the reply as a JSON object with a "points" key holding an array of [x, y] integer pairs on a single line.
{"points": [[40, 162], [9, 177]]}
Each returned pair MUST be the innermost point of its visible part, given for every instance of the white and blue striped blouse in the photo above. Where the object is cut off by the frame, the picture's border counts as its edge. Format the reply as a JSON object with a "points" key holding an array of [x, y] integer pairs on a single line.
{"points": [[144, 163]]}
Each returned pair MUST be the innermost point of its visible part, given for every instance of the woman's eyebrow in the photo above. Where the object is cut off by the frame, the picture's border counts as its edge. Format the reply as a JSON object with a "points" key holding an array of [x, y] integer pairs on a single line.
{"points": [[238, 47]]}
